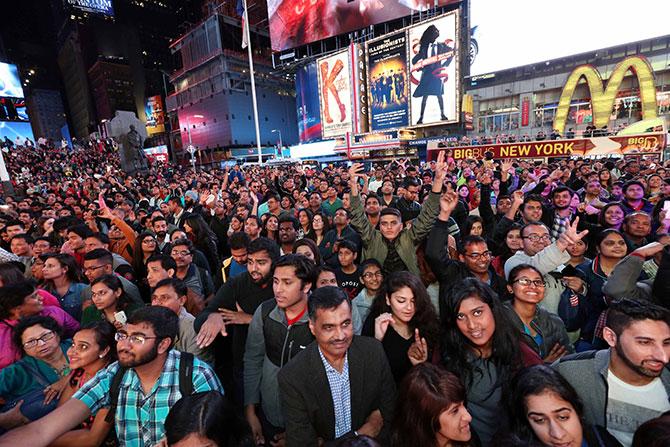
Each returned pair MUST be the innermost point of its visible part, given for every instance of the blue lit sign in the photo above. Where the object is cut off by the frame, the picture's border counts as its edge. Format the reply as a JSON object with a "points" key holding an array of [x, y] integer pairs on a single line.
{"points": [[104, 7]]}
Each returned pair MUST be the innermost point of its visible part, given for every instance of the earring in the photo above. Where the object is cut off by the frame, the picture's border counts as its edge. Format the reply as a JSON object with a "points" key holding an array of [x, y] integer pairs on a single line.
{"points": [[100, 356]]}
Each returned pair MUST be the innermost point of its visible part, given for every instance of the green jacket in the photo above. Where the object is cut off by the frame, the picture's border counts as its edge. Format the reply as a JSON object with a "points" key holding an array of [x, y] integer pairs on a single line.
{"points": [[408, 239]]}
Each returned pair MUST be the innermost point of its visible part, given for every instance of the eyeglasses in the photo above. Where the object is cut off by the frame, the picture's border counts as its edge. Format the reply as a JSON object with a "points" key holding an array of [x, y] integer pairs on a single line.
{"points": [[181, 253], [133, 339], [525, 282], [44, 338], [478, 256], [537, 237], [370, 275], [162, 299]]}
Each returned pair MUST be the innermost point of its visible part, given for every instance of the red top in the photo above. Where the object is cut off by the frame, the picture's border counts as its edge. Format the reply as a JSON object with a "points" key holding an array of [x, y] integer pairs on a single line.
{"points": [[292, 321]]}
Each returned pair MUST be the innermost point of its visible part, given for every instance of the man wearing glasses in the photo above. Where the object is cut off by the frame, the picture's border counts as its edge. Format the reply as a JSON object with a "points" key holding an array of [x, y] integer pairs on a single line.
{"points": [[148, 389], [100, 262], [547, 256], [197, 279]]}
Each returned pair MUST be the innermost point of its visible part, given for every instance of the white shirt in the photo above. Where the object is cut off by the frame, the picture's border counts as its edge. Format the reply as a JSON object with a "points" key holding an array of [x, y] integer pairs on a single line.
{"points": [[629, 406]]}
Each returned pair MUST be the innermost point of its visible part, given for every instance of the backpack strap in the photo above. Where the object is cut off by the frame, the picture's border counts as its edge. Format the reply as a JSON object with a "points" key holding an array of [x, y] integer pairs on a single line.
{"points": [[186, 374], [114, 394]]}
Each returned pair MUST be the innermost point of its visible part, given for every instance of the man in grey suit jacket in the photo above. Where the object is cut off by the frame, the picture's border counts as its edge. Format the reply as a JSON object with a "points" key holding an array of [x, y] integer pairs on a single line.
{"points": [[341, 385]]}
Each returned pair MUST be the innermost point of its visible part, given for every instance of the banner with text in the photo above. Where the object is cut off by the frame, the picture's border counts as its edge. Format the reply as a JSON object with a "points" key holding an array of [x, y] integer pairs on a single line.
{"points": [[590, 147], [387, 82], [335, 94]]}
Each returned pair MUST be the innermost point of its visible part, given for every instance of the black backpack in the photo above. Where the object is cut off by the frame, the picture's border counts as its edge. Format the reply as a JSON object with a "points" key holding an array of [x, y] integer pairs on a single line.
{"points": [[185, 383]]}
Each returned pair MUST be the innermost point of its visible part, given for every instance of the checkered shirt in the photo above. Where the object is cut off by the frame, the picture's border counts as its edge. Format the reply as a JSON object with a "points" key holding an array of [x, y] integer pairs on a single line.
{"points": [[340, 391], [140, 417]]}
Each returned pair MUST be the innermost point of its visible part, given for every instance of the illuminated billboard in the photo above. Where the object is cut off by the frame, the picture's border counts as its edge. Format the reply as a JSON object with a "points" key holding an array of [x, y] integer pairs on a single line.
{"points": [[104, 7], [335, 89], [155, 115], [387, 82], [298, 22], [307, 103], [433, 71], [501, 44], [13, 109], [10, 83], [12, 131]]}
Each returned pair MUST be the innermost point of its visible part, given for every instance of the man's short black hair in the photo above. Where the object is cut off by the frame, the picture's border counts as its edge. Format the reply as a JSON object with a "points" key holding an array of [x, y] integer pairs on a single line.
{"points": [[167, 262], [560, 189], [346, 211], [630, 183], [264, 244], [26, 237], [176, 284], [304, 267], [158, 219], [372, 196], [102, 237], [238, 240], [410, 181], [13, 223], [164, 321], [623, 313], [534, 223], [176, 200], [293, 220], [12, 296], [328, 297], [80, 230], [104, 256], [469, 240], [183, 241], [349, 245]]}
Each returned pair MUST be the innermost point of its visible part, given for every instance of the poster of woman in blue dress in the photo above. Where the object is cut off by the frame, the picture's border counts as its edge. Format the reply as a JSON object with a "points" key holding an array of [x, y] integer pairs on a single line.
{"points": [[433, 75]]}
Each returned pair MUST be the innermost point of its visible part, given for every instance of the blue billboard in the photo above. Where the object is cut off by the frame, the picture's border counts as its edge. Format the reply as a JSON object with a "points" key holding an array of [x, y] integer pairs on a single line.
{"points": [[12, 130], [103, 7], [307, 103], [10, 83]]}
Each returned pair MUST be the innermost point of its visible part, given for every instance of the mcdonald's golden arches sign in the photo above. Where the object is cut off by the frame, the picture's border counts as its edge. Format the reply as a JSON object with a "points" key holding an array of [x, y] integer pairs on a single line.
{"points": [[602, 98]]}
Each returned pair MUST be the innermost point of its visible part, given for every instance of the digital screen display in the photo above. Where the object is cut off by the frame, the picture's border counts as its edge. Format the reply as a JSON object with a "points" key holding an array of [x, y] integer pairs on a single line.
{"points": [[299, 22], [104, 7], [538, 31], [432, 69], [155, 115], [13, 109], [11, 130], [307, 103], [10, 83]]}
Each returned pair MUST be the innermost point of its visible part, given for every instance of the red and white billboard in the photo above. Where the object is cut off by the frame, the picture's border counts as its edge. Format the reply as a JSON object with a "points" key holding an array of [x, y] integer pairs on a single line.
{"points": [[299, 22]]}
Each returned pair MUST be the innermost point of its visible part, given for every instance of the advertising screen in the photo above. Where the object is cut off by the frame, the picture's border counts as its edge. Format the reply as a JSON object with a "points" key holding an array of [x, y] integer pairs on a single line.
{"points": [[299, 22], [539, 31], [155, 115], [335, 94], [433, 72], [104, 7], [307, 103], [157, 153], [10, 83], [387, 82], [11, 130], [13, 109]]}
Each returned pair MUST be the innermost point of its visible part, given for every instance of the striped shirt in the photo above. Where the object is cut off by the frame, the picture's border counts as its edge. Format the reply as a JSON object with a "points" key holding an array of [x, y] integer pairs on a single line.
{"points": [[340, 391], [140, 417]]}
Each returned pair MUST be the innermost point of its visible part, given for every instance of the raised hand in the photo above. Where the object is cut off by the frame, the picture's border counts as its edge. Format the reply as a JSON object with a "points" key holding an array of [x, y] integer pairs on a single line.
{"points": [[382, 324], [571, 236], [418, 351], [448, 202]]}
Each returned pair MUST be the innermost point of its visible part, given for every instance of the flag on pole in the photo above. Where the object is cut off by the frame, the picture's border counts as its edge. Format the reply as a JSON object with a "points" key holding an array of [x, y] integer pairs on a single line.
{"points": [[242, 12]]}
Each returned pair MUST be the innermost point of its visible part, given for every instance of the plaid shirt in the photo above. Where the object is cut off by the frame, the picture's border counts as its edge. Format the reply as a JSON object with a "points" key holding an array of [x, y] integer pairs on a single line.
{"points": [[140, 417], [559, 226], [340, 391]]}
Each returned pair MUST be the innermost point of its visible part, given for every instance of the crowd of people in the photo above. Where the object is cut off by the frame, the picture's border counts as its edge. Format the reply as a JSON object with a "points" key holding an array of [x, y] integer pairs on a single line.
{"points": [[440, 303]]}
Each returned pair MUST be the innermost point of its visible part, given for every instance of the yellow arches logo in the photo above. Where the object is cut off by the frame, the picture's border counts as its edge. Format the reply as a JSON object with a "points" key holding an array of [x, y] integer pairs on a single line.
{"points": [[602, 99]]}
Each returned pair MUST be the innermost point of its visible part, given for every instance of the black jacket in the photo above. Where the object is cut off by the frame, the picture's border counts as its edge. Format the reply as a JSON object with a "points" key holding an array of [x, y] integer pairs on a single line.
{"points": [[306, 398]]}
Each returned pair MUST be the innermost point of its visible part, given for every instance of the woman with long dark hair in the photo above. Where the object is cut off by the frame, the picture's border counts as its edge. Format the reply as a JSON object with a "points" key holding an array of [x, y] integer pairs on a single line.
{"points": [[481, 344], [271, 227], [320, 226], [63, 280], [431, 410], [305, 218], [543, 331], [93, 348], [308, 248], [513, 243], [545, 410], [404, 320], [145, 246], [205, 240], [108, 299]]}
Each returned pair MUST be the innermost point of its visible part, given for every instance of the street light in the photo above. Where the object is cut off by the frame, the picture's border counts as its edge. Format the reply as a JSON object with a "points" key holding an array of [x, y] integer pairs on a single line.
{"points": [[191, 149], [280, 141]]}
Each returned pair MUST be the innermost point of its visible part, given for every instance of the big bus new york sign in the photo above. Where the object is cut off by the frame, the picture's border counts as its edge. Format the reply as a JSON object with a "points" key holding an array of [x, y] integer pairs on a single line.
{"points": [[602, 98]]}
